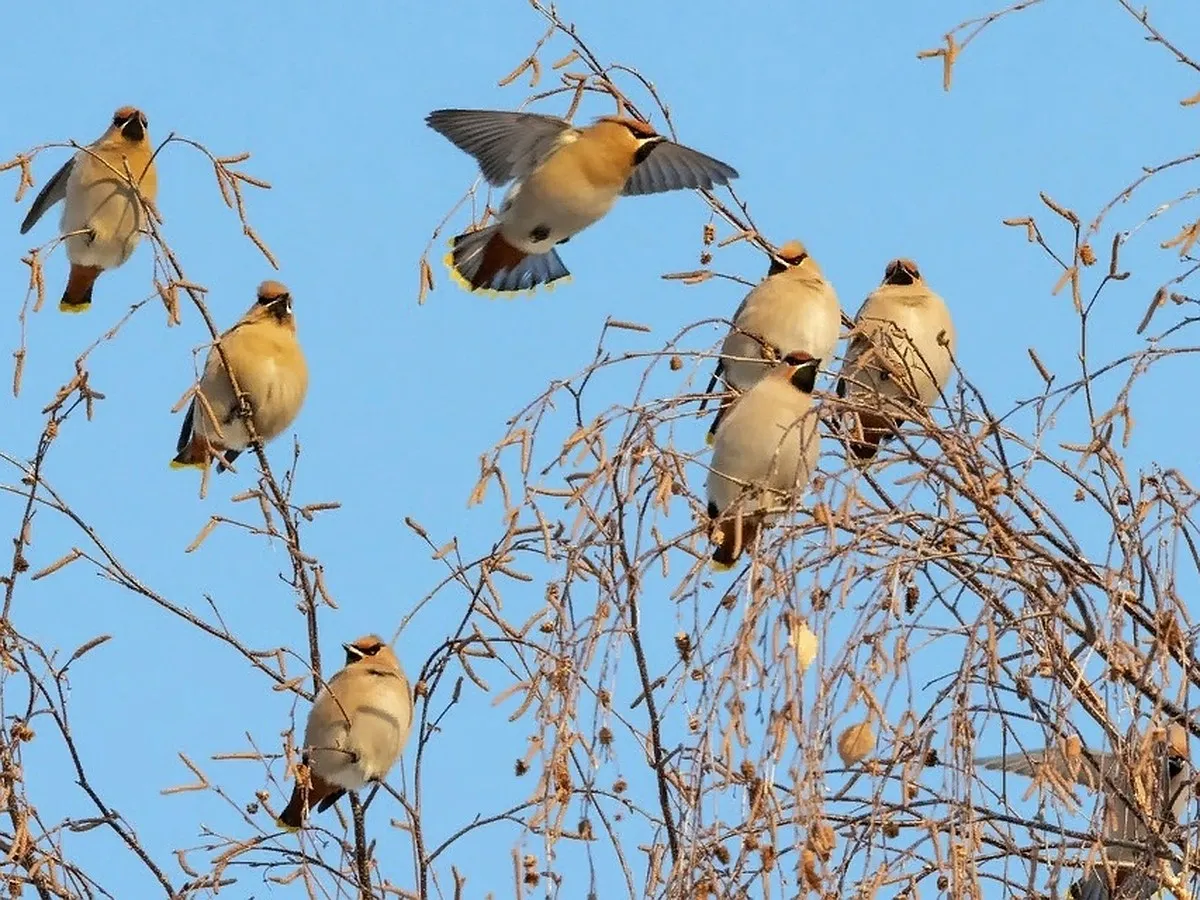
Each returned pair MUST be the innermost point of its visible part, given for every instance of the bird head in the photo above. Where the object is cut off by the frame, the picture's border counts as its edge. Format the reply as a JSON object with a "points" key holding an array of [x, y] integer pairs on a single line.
{"points": [[275, 299], [790, 255], [802, 369], [364, 648], [901, 272], [131, 122]]}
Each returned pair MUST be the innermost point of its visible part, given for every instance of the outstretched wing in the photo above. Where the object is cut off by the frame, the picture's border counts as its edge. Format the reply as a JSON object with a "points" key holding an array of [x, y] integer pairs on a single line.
{"points": [[667, 166], [507, 145], [1081, 770]]}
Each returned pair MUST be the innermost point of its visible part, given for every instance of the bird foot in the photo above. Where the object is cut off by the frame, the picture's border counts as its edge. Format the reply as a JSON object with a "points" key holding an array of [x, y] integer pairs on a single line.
{"points": [[244, 409]]}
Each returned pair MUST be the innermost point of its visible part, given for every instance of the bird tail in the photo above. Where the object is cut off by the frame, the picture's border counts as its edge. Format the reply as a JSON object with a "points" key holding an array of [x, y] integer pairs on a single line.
{"points": [[711, 437], [870, 430], [307, 793], [225, 460], [484, 260], [78, 294], [732, 537], [194, 454], [712, 383]]}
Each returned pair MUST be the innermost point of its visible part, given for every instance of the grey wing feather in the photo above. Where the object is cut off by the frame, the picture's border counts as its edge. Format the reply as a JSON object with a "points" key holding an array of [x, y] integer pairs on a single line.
{"points": [[53, 191], [672, 167], [1026, 764], [507, 145]]}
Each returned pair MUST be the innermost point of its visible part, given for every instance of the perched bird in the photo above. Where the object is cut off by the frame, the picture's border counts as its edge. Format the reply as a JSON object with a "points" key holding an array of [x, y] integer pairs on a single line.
{"points": [[793, 308], [566, 178], [765, 453], [896, 357], [1160, 774], [102, 218], [270, 370], [358, 725]]}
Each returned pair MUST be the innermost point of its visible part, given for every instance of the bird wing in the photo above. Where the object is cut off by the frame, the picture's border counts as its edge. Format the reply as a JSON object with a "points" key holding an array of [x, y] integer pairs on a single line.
{"points": [[1028, 763], [507, 145], [54, 190], [668, 166], [185, 433]]}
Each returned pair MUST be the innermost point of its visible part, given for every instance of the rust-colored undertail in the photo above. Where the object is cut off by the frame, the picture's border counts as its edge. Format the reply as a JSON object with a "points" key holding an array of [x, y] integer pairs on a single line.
{"points": [[498, 255], [736, 534], [873, 428], [194, 453], [78, 294], [320, 794]]}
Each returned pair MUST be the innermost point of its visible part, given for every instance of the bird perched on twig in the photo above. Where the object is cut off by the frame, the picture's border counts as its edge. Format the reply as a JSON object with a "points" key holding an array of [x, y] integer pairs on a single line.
{"points": [[1151, 790], [765, 453], [358, 725], [270, 370], [793, 308], [103, 218], [565, 179], [900, 356]]}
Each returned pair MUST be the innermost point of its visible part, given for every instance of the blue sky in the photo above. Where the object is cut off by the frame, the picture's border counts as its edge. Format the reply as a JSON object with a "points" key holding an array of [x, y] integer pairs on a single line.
{"points": [[842, 137]]}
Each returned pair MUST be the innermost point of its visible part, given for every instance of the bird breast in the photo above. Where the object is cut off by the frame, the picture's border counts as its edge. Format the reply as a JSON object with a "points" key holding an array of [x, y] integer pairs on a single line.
{"points": [[566, 195], [270, 368], [367, 730], [789, 315], [100, 202], [906, 336], [768, 440]]}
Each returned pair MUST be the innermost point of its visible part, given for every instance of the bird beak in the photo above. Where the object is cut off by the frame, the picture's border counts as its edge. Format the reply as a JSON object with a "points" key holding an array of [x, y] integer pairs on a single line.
{"points": [[351, 650]]}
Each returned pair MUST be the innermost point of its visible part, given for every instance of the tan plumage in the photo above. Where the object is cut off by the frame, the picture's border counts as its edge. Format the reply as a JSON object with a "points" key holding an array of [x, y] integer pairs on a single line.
{"points": [[100, 203], [270, 369], [900, 354], [358, 725], [566, 178], [793, 309], [765, 453], [1159, 775]]}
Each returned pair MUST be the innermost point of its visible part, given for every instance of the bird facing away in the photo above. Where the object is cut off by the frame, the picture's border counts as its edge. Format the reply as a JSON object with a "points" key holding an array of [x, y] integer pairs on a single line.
{"points": [[765, 453], [102, 219], [793, 308], [270, 370], [565, 179], [897, 358], [1156, 784], [358, 725]]}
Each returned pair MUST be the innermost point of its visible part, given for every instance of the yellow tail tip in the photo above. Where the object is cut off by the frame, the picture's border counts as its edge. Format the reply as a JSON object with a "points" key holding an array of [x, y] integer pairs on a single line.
{"points": [[491, 293], [176, 464], [718, 566], [710, 439], [290, 829], [73, 308]]}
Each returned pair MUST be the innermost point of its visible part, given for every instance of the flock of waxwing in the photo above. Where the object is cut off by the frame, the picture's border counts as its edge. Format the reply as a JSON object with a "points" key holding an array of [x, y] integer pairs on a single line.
{"points": [[765, 440]]}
